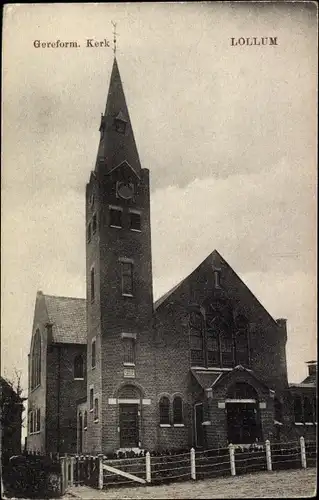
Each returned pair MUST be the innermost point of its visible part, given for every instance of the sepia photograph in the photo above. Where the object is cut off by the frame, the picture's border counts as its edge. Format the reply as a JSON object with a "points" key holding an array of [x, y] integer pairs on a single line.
{"points": [[159, 250]]}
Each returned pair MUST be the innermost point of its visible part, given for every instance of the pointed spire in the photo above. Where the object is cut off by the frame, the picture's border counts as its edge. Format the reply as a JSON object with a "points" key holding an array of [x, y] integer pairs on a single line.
{"points": [[117, 142]]}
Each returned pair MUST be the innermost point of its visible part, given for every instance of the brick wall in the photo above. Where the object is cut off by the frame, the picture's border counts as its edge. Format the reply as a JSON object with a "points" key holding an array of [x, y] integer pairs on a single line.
{"points": [[61, 411]]}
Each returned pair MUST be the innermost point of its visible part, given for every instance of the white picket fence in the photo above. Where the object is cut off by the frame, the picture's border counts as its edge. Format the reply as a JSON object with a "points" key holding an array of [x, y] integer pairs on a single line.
{"points": [[192, 465]]}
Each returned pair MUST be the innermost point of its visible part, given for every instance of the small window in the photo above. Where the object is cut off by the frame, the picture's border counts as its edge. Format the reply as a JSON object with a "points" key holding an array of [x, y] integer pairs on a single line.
{"points": [[93, 353], [96, 409], [94, 224], [129, 351], [116, 217], [120, 126], [89, 232], [91, 399], [92, 284], [79, 367], [38, 422], [85, 420], [217, 278], [164, 411], [127, 278], [135, 221], [177, 410], [308, 410]]}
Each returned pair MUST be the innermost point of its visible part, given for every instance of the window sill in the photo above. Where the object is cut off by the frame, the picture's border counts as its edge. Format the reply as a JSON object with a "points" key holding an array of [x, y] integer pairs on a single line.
{"points": [[85, 428], [91, 410], [136, 230], [165, 425], [129, 364], [178, 425], [127, 295], [116, 227], [96, 420], [299, 423], [78, 378], [309, 423], [34, 433], [93, 367]]}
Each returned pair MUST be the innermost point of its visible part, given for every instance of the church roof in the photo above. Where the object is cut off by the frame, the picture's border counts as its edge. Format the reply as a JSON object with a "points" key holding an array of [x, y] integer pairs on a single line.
{"points": [[162, 299], [68, 318]]}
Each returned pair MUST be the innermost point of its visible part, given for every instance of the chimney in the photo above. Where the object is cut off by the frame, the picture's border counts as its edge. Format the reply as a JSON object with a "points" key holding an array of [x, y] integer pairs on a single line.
{"points": [[312, 367]]}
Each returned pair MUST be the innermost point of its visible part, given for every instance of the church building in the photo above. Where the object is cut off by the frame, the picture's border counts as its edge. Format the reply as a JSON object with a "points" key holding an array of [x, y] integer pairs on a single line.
{"points": [[203, 366]]}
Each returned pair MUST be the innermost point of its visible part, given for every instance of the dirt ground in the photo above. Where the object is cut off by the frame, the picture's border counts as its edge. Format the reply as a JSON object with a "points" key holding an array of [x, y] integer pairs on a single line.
{"points": [[283, 484]]}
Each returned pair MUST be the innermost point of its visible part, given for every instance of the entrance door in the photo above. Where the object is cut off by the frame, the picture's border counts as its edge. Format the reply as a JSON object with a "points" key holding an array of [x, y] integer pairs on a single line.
{"points": [[199, 429], [129, 428], [243, 423]]}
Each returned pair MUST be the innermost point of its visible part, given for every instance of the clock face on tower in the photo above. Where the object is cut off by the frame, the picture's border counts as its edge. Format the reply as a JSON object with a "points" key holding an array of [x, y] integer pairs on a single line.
{"points": [[125, 190]]}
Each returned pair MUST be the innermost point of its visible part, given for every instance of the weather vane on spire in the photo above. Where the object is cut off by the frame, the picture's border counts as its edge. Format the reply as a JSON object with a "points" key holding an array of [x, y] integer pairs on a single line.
{"points": [[114, 37]]}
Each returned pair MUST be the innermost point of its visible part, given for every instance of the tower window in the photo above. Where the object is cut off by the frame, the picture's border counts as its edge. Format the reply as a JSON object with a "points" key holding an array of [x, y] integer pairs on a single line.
{"points": [[93, 364], [85, 420], [120, 123], [135, 221], [96, 410], [129, 351], [89, 232], [78, 367], [92, 284], [94, 224], [127, 278], [116, 217], [91, 399], [164, 411]]}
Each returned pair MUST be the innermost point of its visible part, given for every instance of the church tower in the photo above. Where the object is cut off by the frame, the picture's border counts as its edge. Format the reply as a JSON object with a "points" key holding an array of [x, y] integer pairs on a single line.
{"points": [[120, 390]]}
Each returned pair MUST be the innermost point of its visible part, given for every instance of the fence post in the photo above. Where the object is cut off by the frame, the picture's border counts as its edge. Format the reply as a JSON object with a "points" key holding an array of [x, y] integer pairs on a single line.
{"points": [[62, 460], [100, 471], [303, 453], [72, 471], [232, 459], [148, 467], [193, 464], [268, 455]]}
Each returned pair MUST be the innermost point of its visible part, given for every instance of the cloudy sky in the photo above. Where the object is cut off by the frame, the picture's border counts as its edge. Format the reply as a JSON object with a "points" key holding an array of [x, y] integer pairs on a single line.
{"points": [[228, 133]]}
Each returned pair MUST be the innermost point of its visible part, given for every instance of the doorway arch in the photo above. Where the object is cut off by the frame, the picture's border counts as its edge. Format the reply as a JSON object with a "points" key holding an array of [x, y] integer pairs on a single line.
{"points": [[243, 414]]}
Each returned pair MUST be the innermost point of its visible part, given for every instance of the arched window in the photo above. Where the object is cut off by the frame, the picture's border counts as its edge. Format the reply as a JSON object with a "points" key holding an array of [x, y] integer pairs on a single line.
{"points": [[96, 410], [79, 367], [85, 420], [36, 361], [80, 433], [177, 410], [164, 411]]}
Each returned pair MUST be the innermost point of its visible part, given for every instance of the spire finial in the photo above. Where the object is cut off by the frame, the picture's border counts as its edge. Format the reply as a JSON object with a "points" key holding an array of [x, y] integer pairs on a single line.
{"points": [[114, 37]]}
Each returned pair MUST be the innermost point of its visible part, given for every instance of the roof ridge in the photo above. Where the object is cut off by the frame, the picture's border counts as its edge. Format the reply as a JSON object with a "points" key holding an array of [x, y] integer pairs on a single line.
{"points": [[63, 297]]}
